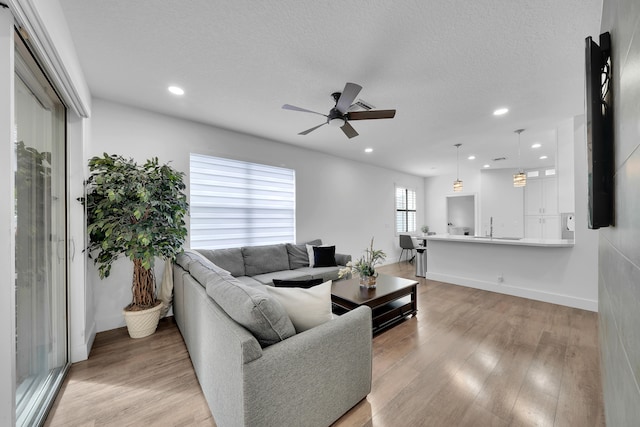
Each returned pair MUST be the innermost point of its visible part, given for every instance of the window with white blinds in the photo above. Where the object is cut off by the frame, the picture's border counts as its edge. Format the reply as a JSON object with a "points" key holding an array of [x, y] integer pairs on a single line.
{"points": [[235, 203], [405, 210]]}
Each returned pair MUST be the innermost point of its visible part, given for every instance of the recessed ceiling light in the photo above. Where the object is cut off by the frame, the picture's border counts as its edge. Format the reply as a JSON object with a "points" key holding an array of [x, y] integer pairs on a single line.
{"points": [[471, 157], [536, 145], [543, 157], [486, 166], [176, 90], [500, 111], [368, 150]]}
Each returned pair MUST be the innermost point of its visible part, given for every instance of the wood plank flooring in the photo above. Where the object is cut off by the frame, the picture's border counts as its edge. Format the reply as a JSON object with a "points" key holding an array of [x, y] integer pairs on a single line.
{"points": [[469, 358]]}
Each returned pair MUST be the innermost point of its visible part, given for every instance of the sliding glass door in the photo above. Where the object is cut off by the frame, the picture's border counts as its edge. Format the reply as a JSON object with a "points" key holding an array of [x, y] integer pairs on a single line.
{"points": [[40, 240]]}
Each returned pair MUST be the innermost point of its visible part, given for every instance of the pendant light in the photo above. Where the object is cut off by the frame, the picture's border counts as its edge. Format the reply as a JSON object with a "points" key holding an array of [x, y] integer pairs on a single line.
{"points": [[457, 184], [520, 178]]}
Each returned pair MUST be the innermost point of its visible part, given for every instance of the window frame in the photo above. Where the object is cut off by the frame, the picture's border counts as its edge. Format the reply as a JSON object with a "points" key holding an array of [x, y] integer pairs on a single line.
{"points": [[405, 210]]}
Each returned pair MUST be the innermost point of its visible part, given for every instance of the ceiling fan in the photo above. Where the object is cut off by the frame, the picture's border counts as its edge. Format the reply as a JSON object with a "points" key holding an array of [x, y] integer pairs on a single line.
{"points": [[341, 114]]}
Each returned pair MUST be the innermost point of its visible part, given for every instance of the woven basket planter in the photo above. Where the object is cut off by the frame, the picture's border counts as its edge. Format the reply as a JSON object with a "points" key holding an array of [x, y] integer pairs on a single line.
{"points": [[142, 323]]}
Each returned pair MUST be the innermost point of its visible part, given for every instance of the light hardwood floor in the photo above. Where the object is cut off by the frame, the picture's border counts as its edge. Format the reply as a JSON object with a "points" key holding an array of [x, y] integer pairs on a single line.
{"points": [[469, 358]]}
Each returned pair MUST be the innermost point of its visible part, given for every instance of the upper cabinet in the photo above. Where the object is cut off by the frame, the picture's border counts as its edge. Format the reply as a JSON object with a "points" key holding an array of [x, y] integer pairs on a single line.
{"points": [[541, 196], [542, 219]]}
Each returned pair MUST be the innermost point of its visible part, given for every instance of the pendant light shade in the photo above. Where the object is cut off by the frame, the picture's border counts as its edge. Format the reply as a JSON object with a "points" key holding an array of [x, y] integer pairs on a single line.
{"points": [[520, 178], [457, 184]]}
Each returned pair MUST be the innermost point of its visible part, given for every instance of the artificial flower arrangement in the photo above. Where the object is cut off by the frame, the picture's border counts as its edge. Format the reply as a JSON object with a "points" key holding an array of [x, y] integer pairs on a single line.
{"points": [[365, 266]]}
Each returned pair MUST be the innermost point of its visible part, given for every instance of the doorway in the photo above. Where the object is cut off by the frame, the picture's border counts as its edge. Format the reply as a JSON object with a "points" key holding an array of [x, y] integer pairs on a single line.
{"points": [[461, 214]]}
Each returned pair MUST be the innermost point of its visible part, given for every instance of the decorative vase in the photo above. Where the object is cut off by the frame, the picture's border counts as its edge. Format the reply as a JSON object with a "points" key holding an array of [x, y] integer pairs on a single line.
{"points": [[368, 282], [142, 323]]}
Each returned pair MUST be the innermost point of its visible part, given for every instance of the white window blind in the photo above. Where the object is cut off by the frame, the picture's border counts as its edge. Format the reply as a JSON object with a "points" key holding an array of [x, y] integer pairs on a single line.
{"points": [[405, 210], [235, 203]]}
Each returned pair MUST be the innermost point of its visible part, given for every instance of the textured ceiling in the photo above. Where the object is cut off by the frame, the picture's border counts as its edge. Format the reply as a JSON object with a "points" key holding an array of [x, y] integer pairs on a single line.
{"points": [[444, 65]]}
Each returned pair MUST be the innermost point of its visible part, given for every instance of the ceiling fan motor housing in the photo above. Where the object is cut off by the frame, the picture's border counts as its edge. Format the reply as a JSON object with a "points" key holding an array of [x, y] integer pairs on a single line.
{"points": [[336, 118]]}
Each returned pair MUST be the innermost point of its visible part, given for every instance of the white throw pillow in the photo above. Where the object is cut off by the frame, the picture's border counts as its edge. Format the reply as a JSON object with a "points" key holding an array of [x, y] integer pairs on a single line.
{"points": [[311, 255], [306, 308]]}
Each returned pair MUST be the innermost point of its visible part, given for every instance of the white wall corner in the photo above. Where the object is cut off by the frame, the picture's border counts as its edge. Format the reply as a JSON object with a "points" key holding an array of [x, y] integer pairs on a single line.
{"points": [[81, 320]]}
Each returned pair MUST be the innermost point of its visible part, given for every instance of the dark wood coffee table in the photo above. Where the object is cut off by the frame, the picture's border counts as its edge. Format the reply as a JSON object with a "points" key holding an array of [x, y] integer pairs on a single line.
{"points": [[392, 300]]}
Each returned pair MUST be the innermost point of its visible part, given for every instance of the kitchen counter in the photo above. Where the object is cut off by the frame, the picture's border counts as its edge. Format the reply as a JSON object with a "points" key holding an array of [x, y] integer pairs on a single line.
{"points": [[539, 269], [514, 241]]}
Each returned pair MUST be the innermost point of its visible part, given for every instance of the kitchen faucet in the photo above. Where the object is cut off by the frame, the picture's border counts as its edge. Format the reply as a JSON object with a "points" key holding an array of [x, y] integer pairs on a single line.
{"points": [[491, 227]]}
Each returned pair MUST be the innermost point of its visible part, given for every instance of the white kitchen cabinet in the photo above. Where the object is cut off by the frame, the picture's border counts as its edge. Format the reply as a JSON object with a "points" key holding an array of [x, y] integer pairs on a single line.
{"points": [[542, 220], [542, 226], [541, 196]]}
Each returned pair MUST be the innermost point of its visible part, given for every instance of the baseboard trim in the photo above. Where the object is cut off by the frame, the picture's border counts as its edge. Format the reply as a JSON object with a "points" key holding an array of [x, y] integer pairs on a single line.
{"points": [[566, 300], [81, 352]]}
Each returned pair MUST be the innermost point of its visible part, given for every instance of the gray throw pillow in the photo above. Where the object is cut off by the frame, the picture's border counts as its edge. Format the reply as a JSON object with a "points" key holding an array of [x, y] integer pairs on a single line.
{"points": [[298, 255], [229, 259], [252, 307], [265, 259]]}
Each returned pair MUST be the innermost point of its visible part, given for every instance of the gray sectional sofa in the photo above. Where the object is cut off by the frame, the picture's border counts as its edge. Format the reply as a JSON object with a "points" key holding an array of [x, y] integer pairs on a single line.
{"points": [[253, 368], [262, 264]]}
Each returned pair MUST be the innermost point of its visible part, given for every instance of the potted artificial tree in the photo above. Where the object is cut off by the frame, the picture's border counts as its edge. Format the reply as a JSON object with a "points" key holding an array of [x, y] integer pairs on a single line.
{"points": [[137, 211]]}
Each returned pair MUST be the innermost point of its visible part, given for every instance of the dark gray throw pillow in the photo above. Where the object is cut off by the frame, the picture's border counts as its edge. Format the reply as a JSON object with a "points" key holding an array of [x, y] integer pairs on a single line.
{"points": [[324, 256], [279, 283]]}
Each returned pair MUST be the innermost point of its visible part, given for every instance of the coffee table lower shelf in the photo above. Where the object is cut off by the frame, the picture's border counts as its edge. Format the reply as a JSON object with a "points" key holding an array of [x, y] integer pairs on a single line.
{"points": [[388, 307], [391, 313]]}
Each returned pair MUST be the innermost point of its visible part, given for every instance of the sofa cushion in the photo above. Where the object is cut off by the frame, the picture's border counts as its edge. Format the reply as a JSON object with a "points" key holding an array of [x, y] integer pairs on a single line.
{"points": [[324, 273], [298, 256], [198, 266], [265, 259], [309, 283], [307, 308], [267, 278], [249, 281], [251, 307], [324, 256], [229, 259]]}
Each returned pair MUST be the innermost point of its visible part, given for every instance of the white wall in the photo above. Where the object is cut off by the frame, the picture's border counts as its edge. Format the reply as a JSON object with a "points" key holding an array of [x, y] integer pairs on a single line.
{"points": [[340, 201], [436, 190], [502, 201], [82, 327], [565, 167]]}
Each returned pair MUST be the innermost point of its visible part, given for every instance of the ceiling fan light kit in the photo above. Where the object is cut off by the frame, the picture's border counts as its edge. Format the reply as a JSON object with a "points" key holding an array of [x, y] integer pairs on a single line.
{"points": [[341, 114]]}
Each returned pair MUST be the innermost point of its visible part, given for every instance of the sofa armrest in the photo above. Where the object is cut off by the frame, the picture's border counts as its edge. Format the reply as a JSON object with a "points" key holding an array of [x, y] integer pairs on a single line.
{"points": [[313, 377], [342, 259]]}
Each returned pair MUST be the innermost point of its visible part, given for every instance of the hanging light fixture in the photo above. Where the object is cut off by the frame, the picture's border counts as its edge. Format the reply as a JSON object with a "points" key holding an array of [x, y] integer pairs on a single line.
{"points": [[457, 184], [520, 178]]}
